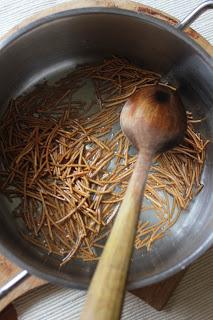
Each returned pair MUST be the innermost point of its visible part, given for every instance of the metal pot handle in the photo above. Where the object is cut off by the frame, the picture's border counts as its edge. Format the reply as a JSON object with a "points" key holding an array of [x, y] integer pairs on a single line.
{"points": [[191, 17], [12, 283]]}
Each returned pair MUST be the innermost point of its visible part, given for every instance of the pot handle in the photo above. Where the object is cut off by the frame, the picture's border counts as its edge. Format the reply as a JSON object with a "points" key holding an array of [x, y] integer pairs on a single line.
{"points": [[12, 283], [190, 18]]}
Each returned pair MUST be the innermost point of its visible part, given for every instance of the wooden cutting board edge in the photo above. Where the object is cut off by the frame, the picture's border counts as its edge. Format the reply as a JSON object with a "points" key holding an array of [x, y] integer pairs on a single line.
{"points": [[155, 295]]}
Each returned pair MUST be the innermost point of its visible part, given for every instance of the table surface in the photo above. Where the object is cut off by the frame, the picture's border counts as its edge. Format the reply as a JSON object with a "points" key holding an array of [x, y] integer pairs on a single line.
{"points": [[193, 298]]}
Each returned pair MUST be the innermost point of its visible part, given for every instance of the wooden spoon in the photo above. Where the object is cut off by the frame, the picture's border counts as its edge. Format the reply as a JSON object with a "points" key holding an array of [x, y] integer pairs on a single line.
{"points": [[154, 120]]}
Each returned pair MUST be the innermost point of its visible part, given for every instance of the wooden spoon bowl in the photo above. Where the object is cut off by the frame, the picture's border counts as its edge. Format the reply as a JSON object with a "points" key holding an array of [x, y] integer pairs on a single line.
{"points": [[154, 119]]}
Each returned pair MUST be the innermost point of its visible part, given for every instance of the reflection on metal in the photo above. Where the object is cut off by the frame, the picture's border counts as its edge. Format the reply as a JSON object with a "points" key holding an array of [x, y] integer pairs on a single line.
{"points": [[14, 282]]}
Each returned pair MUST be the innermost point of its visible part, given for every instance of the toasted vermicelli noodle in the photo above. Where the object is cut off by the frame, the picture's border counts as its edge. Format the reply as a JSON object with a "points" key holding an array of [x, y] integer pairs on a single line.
{"points": [[68, 162]]}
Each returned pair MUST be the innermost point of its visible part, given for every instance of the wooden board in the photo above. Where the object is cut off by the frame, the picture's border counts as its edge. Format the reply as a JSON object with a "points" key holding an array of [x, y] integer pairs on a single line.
{"points": [[9, 313], [155, 295], [7, 271]]}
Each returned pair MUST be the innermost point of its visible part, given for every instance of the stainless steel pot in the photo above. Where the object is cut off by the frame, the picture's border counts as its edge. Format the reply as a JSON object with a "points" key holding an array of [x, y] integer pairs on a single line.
{"points": [[64, 39]]}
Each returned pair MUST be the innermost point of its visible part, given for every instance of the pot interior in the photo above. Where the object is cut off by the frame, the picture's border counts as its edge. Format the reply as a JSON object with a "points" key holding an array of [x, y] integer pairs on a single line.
{"points": [[55, 45]]}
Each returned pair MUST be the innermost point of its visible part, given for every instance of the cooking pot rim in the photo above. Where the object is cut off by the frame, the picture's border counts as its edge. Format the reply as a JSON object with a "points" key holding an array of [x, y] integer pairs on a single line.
{"points": [[8, 40], [73, 283]]}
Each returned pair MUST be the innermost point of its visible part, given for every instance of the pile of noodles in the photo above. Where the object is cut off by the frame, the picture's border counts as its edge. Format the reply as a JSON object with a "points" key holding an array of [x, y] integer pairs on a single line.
{"points": [[68, 162]]}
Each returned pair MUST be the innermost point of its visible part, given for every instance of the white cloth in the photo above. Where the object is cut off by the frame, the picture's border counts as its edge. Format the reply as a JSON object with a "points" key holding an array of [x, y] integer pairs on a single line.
{"points": [[193, 298]]}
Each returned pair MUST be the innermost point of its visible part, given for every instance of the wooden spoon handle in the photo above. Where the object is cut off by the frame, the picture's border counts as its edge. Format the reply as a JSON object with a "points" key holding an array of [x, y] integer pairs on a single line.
{"points": [[106, 291]]}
